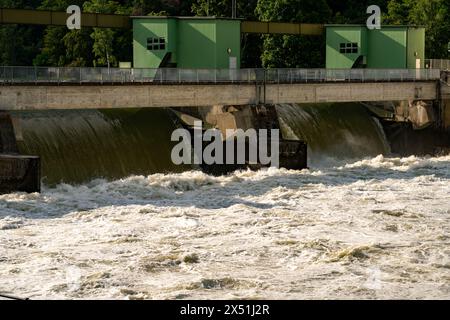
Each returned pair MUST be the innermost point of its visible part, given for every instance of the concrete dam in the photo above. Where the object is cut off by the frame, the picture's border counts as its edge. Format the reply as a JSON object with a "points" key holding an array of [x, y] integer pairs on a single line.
{"points": [[83, 130]]}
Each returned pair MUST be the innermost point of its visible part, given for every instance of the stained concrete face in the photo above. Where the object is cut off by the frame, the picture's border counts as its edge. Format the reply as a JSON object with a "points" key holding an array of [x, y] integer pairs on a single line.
{"points": [[420, 114], [228, 117], [292, 153], [17, 172], [446, 105], [33, 97]]}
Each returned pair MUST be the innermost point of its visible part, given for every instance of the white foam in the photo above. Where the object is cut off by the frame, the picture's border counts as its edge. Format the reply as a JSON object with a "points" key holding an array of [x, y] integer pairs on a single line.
{"points": [[372, 228]]}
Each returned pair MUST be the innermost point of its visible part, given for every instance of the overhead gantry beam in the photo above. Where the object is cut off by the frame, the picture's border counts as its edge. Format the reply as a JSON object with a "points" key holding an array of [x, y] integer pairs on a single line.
{"points": [[282, 28], [58, 18]]}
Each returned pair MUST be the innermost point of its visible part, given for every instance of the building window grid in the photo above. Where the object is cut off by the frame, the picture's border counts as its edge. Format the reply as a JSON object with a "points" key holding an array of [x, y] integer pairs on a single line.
{"points": [[348, 47], [154, 44]]}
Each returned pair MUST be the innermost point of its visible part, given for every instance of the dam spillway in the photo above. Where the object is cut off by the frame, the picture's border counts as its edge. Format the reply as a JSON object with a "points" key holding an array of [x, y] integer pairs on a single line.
{"points": [[59, 117], [77, 146]]}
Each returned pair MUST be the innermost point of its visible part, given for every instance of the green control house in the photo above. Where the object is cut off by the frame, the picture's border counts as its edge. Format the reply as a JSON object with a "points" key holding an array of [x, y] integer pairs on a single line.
{"points": [[186, 42], [391, 47]]}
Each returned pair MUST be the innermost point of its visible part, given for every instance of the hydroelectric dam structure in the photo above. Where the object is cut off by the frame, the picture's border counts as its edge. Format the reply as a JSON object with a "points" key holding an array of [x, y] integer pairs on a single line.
{"points": [[412, 104]]}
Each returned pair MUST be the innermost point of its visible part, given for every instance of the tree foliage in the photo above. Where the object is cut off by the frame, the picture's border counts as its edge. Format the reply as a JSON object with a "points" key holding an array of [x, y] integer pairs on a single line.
{"points": [[58, 46], [432, 14], [292, 51]]}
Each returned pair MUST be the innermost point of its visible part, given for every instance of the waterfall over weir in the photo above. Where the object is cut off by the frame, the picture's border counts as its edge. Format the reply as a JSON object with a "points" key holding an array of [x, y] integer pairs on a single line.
{"points": [[76, 146], [333, 131], [80, 145]]}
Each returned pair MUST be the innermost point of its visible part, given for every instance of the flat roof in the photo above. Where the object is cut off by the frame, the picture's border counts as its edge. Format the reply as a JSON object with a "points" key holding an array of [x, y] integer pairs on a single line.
{"points": [[382, 26], [187, 18]]}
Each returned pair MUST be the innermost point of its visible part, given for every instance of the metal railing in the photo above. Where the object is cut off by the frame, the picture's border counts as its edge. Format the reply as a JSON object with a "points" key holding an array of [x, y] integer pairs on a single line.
{"points": [[69, 75], [440, 64]]}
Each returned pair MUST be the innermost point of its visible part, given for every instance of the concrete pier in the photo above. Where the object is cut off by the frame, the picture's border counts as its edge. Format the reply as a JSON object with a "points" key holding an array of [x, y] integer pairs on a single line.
{"points": [[17, 172], [445, 103], [292, 153]]}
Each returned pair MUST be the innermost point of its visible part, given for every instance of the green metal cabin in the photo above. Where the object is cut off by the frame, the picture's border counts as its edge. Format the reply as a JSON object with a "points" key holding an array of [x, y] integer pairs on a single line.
{"points": [[186, 42], [391, 47]]}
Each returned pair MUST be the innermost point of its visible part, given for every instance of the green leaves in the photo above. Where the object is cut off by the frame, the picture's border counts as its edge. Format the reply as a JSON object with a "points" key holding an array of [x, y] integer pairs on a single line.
{"points": [[432, 14], [58, 46], [286, 51]]}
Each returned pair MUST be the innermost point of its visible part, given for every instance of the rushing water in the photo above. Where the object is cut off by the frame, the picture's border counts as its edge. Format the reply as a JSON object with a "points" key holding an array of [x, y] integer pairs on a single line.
{"points": [[79, 145], [355, 226]]}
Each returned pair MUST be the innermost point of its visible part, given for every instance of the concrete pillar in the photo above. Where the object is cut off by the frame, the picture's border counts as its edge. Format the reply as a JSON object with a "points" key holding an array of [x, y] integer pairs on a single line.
{"points": [[292, 154], [446, 114], [17, 172]]}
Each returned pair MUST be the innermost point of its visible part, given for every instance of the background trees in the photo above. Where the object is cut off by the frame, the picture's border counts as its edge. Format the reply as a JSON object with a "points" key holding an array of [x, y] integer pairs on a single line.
{"points": [[293, 51], [40, 45], [432, 14]]}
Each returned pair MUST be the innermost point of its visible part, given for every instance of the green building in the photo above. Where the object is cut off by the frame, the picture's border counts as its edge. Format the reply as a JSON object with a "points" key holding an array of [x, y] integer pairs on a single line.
{"points": [[391, 47], [186, 42]]}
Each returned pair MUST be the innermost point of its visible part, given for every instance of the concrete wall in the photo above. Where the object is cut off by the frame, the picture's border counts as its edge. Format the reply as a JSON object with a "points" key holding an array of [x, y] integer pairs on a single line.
{"points": [[445, 96], [141, 96], [447, 114]]}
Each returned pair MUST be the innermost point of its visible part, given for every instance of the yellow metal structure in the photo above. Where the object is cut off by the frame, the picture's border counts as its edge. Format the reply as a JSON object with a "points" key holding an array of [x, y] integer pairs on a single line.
{"points": [[282, 28], [58, 18]]}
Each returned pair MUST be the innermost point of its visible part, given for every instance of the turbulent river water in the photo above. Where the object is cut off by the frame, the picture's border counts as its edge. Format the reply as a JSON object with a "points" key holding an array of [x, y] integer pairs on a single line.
{"points": [[356, 224]]}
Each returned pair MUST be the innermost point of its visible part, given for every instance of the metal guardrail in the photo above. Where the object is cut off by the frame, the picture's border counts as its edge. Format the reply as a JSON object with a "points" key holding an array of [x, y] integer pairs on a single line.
{"points": [[68, 75], [440, 64]]}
